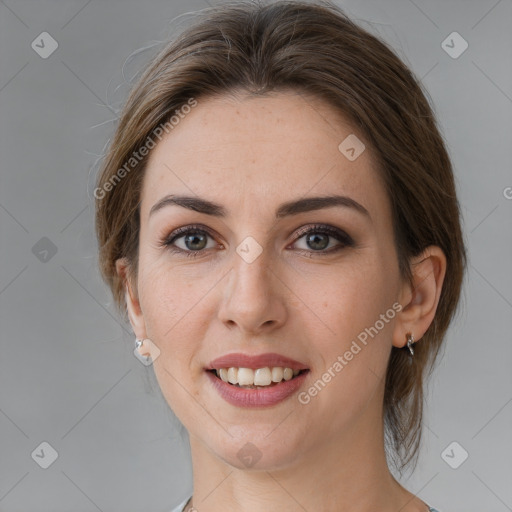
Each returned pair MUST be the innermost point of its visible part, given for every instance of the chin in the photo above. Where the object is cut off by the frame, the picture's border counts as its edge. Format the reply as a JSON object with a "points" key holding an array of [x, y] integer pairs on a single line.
{"points": [[256, 450]]}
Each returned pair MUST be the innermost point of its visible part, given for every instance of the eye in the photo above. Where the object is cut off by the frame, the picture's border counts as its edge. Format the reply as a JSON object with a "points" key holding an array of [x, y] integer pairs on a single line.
{"points": [[190, 240], [319, 238]]}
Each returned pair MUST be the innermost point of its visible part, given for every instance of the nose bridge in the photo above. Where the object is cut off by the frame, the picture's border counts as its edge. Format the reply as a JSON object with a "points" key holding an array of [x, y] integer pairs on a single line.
{"points": [[250, 279], [250, 269], [251, 298]]}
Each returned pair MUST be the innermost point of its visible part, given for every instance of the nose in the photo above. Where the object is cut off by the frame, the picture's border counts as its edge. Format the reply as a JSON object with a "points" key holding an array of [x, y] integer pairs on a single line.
{"points": [[254, 297]]}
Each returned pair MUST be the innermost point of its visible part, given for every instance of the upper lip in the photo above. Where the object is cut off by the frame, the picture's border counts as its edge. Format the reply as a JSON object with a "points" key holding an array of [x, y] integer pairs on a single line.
{"points": [[239, 360]]}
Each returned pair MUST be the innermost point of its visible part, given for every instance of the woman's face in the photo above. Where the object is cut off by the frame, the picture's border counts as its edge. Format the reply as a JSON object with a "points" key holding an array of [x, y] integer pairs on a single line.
{"points": [[249, 287]]}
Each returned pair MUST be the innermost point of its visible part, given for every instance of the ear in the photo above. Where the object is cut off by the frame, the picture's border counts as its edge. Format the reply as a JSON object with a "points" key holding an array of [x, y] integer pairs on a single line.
{"points": [[420, 299], [132, 301]]}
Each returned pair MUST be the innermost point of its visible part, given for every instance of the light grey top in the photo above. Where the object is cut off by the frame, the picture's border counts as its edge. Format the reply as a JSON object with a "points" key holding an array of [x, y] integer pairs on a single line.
{"points": [[180, 507]]}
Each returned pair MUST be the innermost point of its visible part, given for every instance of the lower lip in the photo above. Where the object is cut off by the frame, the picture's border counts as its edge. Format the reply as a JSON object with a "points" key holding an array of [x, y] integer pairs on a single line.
{"points": [[242, 397]]}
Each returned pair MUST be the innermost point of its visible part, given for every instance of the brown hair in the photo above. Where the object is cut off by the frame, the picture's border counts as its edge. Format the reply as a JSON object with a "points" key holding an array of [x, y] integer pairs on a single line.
{"points": [[318, 50]]}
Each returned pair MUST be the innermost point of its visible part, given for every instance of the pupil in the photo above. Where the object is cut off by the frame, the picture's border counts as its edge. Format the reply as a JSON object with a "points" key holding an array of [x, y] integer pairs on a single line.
{"points": [[318, 241], [192, 240]]}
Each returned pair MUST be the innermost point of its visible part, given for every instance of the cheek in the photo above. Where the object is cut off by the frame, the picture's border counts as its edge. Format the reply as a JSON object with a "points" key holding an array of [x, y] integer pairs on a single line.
{"points": [[355, 305], [165, 299], [171, 294], [352, 346], [348, 297], [177, 306], [175, 311]]}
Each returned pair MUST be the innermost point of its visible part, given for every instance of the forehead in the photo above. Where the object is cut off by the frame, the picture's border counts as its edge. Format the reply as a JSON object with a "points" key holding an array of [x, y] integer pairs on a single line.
{"points": [[244, 150]]}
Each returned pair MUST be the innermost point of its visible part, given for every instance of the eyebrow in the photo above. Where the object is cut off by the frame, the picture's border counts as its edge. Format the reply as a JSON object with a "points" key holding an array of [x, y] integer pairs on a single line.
{"points": [[289, 208]]}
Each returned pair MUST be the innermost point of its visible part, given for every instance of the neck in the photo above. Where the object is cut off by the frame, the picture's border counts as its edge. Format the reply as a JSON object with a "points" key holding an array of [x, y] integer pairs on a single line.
{"points": [[347, 472]]}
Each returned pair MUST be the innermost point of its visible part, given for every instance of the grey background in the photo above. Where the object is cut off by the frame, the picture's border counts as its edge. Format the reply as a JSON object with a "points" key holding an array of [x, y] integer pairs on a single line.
{"points": [[67, 371]]}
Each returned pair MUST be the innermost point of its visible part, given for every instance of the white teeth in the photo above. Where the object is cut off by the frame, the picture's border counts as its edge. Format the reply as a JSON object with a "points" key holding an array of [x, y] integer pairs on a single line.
{"points": [[233, 375], [277, 374], [262, 377], [247, 377]]}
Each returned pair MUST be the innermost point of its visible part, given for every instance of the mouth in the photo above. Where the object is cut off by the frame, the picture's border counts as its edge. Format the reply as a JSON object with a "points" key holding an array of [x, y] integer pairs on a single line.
{"points": [[256, 381], [256, 378]]}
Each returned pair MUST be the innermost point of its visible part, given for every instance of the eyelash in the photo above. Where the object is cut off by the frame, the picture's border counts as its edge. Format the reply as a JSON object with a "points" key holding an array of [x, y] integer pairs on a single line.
{"points": [[342, 237]]}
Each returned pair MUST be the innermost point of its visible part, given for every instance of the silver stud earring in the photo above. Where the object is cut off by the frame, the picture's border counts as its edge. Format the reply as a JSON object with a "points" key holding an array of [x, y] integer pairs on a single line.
{"points": [[410, 341], [138, 343]]}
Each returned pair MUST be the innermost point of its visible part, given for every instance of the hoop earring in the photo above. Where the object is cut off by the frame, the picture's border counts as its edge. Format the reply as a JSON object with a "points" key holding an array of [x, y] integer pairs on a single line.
{"points": [[410, 342]]}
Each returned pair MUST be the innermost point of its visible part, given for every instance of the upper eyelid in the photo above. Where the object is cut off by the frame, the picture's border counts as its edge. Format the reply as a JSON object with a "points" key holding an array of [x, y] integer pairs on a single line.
{"points": [[184, 230], [304, 230]]}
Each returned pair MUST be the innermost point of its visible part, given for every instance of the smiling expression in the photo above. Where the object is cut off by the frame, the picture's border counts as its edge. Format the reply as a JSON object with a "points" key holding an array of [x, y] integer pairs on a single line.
{"points": [[260, 239]]}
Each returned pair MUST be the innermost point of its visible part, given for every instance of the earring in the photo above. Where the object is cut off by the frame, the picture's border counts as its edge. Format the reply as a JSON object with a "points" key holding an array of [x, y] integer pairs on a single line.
{"points": [[138, 343], [410, 341]]}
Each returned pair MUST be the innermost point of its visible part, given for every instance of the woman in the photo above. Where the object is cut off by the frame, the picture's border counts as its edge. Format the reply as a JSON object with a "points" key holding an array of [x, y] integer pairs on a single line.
{"points": [[277, 216]]}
